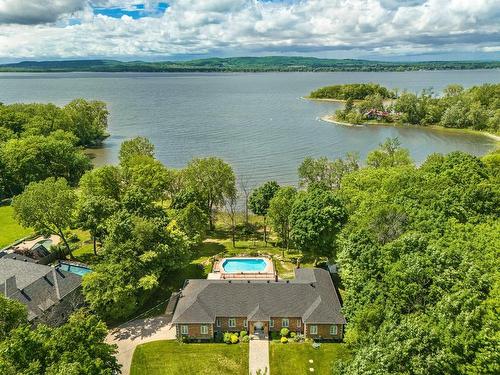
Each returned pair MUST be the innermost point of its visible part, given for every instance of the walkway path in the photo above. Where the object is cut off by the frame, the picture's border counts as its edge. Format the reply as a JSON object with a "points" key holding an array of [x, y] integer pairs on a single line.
{"points": [[259, 356], [137, 332]]}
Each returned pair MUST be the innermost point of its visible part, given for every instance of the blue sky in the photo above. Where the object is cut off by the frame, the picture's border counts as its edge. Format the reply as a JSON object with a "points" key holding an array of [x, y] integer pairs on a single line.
{"points": [[136, 11], [183, 29]]}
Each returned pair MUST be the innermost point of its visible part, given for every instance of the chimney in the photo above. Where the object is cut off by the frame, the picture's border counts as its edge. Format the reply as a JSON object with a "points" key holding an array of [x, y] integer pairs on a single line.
{"points": [[10, 286], [56, 284]]}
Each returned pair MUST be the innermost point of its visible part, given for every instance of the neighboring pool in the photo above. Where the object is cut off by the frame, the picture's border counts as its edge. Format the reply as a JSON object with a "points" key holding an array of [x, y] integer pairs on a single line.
{"points": [[234, 265], [79, 270]]}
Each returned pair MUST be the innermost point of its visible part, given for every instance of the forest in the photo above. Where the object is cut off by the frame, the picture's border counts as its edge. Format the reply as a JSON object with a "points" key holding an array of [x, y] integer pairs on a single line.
{"points": [[417, 246], [476, 108], [243, 64]]}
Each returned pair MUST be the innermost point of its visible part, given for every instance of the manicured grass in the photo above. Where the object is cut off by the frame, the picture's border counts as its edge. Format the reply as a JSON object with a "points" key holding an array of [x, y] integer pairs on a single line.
{"points": [[174, 358], [10, 230], [293, 358]]}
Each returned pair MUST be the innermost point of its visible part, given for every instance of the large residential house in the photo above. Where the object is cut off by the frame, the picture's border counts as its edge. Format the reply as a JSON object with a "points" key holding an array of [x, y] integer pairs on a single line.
{"points": [[49, 294], [308, 304]]}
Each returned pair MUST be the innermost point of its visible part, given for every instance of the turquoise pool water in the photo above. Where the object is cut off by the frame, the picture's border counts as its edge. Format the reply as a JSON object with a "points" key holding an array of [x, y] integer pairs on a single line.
{"points": [[79, 270], [244, 265]]}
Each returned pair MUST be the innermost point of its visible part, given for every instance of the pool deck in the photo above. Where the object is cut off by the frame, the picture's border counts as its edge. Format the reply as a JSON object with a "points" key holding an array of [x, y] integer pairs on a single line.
{"points": [[218, 272]]}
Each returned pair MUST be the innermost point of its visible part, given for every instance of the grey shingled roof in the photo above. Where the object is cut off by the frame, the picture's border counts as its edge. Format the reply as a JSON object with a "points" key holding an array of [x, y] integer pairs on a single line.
{"points": [[311, 296], [36, 284]]}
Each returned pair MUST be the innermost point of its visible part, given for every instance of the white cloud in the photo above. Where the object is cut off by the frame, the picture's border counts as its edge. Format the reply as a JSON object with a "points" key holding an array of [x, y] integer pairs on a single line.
{"points": [[29, 12], [239, 27]]}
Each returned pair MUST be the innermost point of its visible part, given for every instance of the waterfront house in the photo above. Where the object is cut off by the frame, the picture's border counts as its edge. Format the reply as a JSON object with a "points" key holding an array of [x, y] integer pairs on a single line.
{"points": [[308, 304], [49, 294]]}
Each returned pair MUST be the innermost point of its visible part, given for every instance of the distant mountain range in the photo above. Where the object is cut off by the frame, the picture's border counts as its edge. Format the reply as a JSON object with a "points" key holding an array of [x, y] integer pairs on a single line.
{"points": [[242, 64]]}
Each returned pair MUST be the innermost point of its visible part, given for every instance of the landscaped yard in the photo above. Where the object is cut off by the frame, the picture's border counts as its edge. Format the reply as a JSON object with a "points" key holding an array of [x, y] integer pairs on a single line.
{"points": [[10, 230], [174, 358], [293, 358]]}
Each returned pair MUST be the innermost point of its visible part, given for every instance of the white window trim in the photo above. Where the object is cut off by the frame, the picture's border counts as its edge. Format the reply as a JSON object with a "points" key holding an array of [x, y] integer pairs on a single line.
{"points": [[231, 320], [217, 322], [333, 328], [271, 323], [299, 323], [204, 329], [285, 323], [313, 330], [245, 323], [184, 330]]}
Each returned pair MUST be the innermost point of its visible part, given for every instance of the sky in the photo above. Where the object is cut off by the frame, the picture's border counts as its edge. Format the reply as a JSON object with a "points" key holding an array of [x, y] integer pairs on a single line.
{"points": [[185, 29]]}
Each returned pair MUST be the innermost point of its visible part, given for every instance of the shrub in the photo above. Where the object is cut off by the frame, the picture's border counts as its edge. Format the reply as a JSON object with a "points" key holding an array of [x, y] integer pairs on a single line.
{"points": [[243, 333], [227, 337], [219, 337], [245, 339], [234, 339], [293, 334], [275, 335], [299, 338], [284, 340], [284, 332]]}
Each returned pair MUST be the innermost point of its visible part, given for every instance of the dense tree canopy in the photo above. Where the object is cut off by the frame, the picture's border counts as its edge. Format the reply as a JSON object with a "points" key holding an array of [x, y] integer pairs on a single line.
{"points": [[316, 219], [12, 315], [420, 263], [42, 140], [75, 348], [357, 91]]}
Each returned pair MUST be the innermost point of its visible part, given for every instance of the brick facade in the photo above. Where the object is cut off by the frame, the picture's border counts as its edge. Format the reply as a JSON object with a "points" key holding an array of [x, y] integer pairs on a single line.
{"points": [[224, 324], [295, 324], [194, 331], [323, 332]]}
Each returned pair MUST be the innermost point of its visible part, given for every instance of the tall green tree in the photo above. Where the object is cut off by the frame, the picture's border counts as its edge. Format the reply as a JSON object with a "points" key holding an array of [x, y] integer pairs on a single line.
{"points": [[34, 158], [280, 209], [316, 219], [47, 206], [260, 199], [138, 146], [326, 173], [89, 120], [212, 180], [13, 314], [389, 154], [92, 213]]}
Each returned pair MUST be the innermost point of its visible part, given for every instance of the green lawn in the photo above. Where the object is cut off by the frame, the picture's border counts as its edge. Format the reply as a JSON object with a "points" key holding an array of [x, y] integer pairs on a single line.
{"points": [[294, 358], [10, 230], [173, 358]]}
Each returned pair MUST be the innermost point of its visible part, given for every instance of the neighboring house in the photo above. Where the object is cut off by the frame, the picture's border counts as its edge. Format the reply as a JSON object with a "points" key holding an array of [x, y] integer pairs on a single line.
{"points": [[308, 304], [49, 294]]}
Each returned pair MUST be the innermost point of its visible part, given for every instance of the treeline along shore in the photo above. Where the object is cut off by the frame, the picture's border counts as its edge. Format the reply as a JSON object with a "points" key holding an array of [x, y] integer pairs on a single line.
{"points": [[476, 108], [243, 64]]}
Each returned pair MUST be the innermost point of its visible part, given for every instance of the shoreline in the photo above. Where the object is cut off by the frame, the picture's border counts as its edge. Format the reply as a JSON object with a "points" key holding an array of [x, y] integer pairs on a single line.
{"points": [[496, 138]]}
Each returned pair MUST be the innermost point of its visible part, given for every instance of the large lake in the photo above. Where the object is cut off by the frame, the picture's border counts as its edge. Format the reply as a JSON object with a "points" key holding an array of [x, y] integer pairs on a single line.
{"points": [[256, 121]]}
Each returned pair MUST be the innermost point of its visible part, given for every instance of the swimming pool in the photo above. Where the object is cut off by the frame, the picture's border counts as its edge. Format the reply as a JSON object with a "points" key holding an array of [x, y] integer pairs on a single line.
{"points": [[233, 265], [79, 270]]}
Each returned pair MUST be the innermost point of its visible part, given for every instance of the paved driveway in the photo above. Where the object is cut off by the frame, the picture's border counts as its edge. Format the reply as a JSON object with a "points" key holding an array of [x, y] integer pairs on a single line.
{"points": [[137, 332], [259, 356]]}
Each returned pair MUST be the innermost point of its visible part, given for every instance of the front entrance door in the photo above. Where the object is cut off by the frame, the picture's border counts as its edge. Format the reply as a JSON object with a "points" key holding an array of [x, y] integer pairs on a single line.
{"points": [[259, 329]]}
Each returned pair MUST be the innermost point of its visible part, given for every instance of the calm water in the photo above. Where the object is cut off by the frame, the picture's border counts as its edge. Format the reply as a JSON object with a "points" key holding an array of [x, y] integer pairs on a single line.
{"points": [[256, 122], [244, 265]]}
